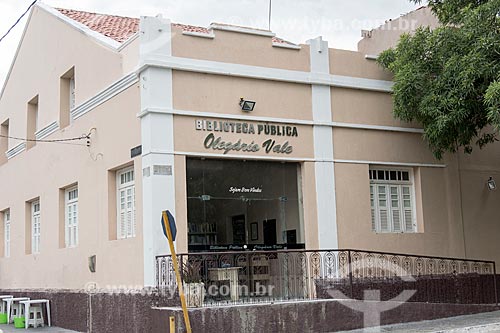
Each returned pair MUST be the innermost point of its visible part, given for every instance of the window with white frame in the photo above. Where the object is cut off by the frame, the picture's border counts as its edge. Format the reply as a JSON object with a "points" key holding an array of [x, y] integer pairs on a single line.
{"points": [[35, 227], [391, 198], [71, 216], [6, 220], [125, 203]]}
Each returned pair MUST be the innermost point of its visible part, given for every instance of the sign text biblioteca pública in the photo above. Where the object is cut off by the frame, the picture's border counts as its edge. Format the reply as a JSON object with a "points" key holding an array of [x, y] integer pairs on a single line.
{"points": [[270, 146]]}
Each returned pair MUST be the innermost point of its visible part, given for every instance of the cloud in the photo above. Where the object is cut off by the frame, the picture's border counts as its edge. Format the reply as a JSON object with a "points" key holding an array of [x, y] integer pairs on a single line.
{"points": [[337, 21]]}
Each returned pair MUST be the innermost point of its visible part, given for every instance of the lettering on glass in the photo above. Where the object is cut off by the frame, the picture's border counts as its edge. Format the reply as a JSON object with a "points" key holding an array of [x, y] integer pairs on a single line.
{"points": [[243, 189]]}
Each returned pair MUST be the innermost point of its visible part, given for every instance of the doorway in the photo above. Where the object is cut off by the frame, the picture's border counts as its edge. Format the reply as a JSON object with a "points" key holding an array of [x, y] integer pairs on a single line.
{"points": [[270, 232]]}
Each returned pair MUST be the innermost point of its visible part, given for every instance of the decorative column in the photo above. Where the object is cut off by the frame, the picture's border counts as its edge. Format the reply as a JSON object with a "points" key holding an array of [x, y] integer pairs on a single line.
{"points": [[157, 136], [323, 148]]}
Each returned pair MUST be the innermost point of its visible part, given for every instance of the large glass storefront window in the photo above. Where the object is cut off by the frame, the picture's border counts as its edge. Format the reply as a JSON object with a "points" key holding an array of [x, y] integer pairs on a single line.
{"points": [[236, 205]]}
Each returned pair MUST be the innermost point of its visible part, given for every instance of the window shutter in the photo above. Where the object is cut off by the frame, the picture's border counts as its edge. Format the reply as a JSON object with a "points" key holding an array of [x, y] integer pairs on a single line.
{"points": [[126, 204], [75, 224], [71, 221], [372, 204], [383, 211], [133, 212], [130, 212], [395, 209], [123, 217], [67, 229], [33, 236], [129, 223], [35, 233], [7, 239], [123, 222], [407, 208]]}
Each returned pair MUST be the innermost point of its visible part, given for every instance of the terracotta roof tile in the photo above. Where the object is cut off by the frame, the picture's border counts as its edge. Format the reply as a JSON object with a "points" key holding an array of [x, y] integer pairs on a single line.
{"points": [[121, 28], [191, 28]]}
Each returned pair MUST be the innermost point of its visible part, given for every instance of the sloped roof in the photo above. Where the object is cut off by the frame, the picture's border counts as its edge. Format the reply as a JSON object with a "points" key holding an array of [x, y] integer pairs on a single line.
{"points": [[121, 28]]}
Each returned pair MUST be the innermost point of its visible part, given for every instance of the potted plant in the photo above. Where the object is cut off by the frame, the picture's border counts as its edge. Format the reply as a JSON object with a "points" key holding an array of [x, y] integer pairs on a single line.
{"points": [[194, 288]]}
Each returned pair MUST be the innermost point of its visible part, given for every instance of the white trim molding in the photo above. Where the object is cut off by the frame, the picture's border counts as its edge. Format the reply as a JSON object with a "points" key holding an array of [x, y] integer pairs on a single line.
{"points": [[243, 157], [291, 121], [287, 46], [157, 136], [100, 38], [243, 30], [324, 168], [264, 73], [378, 127], [104, 95], [128, 41], [47, 130], [209, 35], [398, 164], [16, 150]]}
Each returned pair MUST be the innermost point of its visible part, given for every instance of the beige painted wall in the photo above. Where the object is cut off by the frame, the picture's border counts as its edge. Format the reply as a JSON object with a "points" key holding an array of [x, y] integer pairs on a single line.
{"points": [[351, 63], [188, 139], [130, 55], [43, 171], [480, 206], [387, 35], [181, 204], [364, 107], [221, 94], [49, 49], [381, 146], [443, 194], [440, 236], [238, 48]]}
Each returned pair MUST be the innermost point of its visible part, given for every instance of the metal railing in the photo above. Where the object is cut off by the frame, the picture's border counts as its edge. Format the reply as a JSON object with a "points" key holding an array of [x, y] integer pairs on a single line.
{"points": [[287, 275]]}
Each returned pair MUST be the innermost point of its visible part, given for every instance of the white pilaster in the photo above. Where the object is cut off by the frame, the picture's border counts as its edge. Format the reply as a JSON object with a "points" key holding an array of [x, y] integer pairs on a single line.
{"points": [[158, 192], [323, 149]]}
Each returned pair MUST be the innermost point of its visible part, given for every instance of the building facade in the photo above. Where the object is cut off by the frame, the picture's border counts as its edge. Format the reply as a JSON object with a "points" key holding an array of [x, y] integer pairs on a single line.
{"points": [[160, 118]]}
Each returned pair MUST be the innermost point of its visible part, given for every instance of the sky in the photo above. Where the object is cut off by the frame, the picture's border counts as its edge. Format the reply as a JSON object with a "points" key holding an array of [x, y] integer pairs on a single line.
{"points": [[338, 21]]}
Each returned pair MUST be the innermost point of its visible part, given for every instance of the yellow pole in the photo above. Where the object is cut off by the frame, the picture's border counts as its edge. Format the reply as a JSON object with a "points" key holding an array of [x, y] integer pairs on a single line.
{"points": [[177, 273], [172, 324]]}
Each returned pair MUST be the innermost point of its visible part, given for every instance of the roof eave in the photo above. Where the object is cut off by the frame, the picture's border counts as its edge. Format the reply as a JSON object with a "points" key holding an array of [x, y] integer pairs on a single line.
{"points": [[98, 37]]}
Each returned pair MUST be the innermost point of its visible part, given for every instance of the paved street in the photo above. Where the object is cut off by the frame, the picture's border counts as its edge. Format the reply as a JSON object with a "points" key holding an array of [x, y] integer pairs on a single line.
{"points": [[484, 322], [46, 329]]}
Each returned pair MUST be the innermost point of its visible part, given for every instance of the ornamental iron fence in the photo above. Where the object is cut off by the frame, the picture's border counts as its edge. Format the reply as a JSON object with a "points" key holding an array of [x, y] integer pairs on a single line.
{"points": [[224, 278]]}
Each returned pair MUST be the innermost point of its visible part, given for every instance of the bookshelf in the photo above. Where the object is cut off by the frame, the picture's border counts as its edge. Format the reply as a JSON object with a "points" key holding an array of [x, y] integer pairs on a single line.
{"points": [[202, 234]]}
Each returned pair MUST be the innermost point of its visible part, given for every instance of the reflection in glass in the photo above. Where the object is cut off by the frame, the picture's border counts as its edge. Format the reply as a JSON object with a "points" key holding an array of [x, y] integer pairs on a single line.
{"points": [[226, 196]]}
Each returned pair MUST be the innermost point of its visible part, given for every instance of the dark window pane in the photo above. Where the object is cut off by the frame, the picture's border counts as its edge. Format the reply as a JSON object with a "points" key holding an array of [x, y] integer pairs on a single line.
{"points": [[226, 196], [406, 175], [380, 175]]}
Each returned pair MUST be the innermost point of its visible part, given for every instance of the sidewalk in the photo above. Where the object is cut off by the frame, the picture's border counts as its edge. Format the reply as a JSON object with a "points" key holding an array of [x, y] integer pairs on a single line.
{"points": [[478, 323], [46, 329]]}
